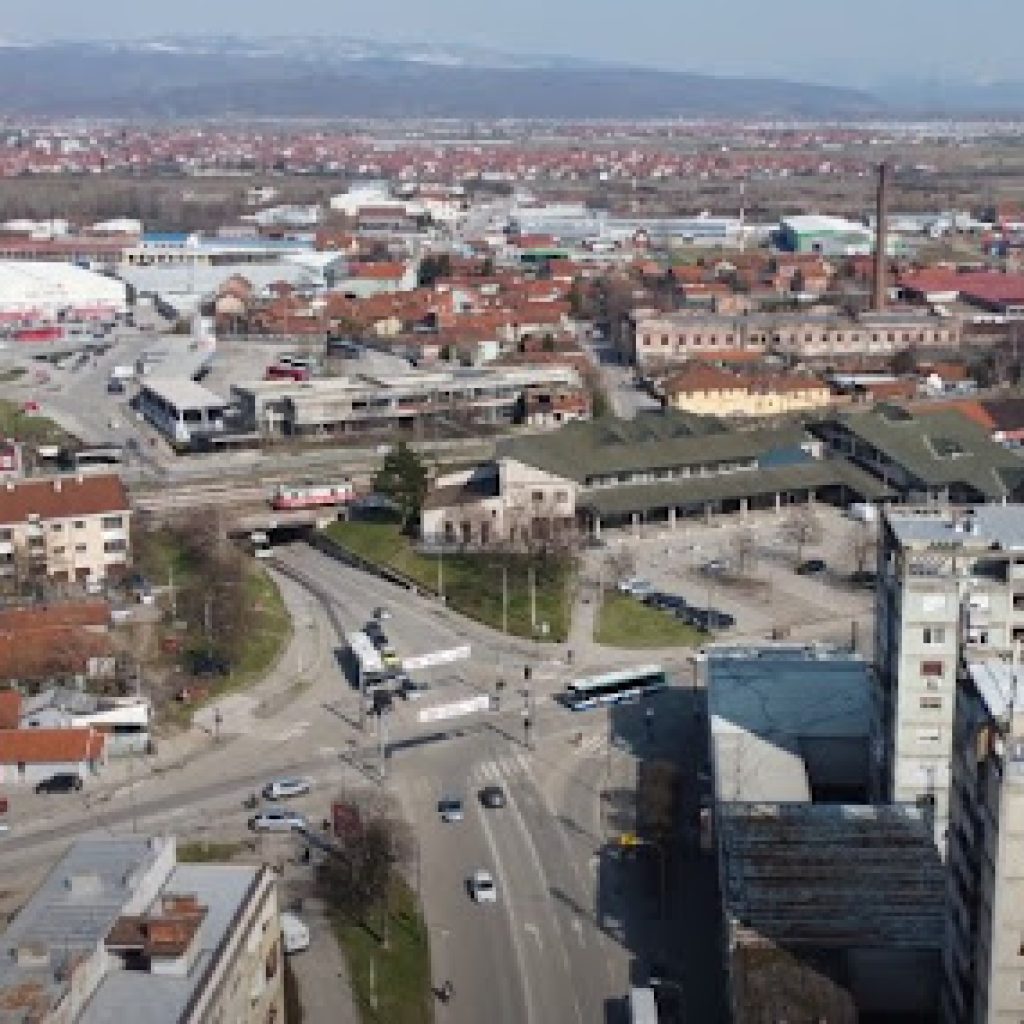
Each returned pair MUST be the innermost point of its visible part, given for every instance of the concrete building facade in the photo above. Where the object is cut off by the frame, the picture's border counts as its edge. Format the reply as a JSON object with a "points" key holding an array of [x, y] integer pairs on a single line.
{"points": [[984, 966], [64, 528], [120, 931], [654, 339], [950, 587]]}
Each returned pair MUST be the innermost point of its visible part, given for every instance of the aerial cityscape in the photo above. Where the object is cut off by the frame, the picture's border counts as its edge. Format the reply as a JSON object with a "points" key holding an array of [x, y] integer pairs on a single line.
{"points": [[511, 515]]}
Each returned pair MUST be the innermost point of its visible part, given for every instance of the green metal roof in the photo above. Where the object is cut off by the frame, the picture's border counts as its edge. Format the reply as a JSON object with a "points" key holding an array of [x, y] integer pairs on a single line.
{"points": [[726, 486], [656, 441], [939, 448]]}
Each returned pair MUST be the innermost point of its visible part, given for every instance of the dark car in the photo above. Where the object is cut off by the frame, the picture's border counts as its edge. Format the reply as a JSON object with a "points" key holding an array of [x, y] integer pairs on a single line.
{"points": [[206, 663], [811, 567], [62, 782], [492, 797]]}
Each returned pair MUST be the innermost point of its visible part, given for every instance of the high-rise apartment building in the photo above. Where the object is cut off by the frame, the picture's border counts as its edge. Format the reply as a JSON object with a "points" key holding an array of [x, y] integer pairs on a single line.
{"points": [[951, 588], [983, 979]]}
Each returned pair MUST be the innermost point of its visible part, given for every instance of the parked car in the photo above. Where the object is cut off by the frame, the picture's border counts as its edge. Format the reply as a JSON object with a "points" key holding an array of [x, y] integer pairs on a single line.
{"points": [[409, 689], [389, 659], [207, 663], [450, 809], [276, 819], [381, 613], [481, 887], [714, 567], [492, 797], [62, 782], [635, 586], [278, 789], [811, 567]]}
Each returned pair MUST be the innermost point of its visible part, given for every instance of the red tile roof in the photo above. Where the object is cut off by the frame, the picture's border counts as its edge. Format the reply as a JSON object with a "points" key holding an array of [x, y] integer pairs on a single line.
{"points": [[62, 498], [376, 271], [71, 613], [50, 746], [10, 709]]}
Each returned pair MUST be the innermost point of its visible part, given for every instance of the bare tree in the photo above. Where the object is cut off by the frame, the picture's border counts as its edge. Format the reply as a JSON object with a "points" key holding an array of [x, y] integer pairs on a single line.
{"points": [[620, 565], [746, 552], [802, 528], [862, 546]]}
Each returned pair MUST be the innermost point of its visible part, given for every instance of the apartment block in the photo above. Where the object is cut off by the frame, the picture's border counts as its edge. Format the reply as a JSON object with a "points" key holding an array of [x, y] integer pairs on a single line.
{"points": [[119, 931], [984, 959], [951, 588], [67, 528]]}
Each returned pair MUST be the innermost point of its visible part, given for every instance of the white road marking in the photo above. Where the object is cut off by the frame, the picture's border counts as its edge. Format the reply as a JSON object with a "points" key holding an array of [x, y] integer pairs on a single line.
{"points": [[577, 927], [517, 817], [535, 932], [517, 946]]}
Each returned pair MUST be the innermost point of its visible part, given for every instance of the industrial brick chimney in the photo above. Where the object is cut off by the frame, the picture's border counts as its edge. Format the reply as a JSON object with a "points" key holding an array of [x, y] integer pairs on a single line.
{"points": [[878, 284]]}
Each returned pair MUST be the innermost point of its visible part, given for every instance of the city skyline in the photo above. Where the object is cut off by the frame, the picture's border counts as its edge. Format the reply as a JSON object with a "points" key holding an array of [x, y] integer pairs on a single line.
{"points": [[877, 44]]}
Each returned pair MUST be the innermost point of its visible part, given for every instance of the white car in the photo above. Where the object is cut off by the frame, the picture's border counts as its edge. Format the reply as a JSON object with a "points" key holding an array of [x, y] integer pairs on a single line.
{"points": [[294, 932], [635, 586], [481, 887], [278, 789], [274, 819]]}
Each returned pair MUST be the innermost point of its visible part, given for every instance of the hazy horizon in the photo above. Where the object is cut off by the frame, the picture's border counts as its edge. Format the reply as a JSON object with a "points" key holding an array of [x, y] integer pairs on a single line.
{"points": [[802, 40]]}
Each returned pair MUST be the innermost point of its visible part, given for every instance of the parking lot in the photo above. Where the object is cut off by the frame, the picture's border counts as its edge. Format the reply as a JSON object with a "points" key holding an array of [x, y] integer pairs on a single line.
{"points": [[748, 569]]}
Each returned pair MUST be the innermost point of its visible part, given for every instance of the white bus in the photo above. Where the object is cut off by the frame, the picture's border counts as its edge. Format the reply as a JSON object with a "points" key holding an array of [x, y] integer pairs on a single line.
{"points": [[613, 687], [370, 671]]}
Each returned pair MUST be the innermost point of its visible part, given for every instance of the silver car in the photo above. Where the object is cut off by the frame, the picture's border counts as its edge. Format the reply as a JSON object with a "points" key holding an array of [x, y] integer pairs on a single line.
{"points": [[275, 819]]}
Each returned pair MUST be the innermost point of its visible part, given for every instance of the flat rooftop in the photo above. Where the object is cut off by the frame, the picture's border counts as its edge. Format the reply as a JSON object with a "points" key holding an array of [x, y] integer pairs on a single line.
{"points": [[183, 393], [145, 998], [775, 710], [832, 875], [66, 918], [1000, 685], [991, 527]]}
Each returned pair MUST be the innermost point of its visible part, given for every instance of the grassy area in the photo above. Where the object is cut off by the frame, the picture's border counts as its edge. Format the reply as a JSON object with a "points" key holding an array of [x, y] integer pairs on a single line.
{"points": [[29, 427], [251, 624], [401, 973], [472, 582], [201, 852], [271, 628], [625, 622]]}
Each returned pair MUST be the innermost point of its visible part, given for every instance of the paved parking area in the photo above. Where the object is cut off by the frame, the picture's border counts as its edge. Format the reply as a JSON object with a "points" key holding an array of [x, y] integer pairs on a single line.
{"points": [[760, 587]]}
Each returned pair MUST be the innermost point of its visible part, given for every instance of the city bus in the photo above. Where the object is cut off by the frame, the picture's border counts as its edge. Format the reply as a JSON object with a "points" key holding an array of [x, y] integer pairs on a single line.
{"points": [[370, 671], [613, 687]]}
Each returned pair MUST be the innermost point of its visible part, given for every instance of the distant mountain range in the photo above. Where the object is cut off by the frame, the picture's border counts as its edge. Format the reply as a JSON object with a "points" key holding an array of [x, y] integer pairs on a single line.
{"points": [[176, 77]]}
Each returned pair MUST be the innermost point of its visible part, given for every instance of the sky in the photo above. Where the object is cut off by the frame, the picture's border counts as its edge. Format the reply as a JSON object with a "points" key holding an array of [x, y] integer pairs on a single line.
{"points": [[848, 42]]}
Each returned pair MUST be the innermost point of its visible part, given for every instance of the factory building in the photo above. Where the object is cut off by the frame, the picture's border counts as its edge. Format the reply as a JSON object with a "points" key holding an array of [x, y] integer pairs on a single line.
{"points": [[44, 292], [830, 236], [833, 906]]}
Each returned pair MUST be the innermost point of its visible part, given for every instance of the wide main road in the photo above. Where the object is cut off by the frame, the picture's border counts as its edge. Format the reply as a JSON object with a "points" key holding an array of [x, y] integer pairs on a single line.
{"points": [[555, 948]]}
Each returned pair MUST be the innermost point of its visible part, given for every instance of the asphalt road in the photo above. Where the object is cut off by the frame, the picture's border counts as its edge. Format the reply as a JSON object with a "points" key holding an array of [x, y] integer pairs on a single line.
{"points": [[564, 938]]}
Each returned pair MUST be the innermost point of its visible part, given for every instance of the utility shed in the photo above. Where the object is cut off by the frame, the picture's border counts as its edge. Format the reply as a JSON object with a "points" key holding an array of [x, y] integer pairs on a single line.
{"points": [[849, 895]]}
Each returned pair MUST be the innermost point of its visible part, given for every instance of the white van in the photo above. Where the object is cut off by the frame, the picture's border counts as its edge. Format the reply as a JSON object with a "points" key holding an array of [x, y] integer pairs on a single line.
{"points": [[294, 933]]}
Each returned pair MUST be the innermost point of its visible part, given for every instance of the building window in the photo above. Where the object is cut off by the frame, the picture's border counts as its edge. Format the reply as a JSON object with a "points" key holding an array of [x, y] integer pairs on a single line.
{"points": [[112, 522], [59, 550], [561, 495], [81, 548], [115, 545], [930, 702], [933, 635], [929, 735], [537, 495], [6, 534], [932, 668], [56, 527]]}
